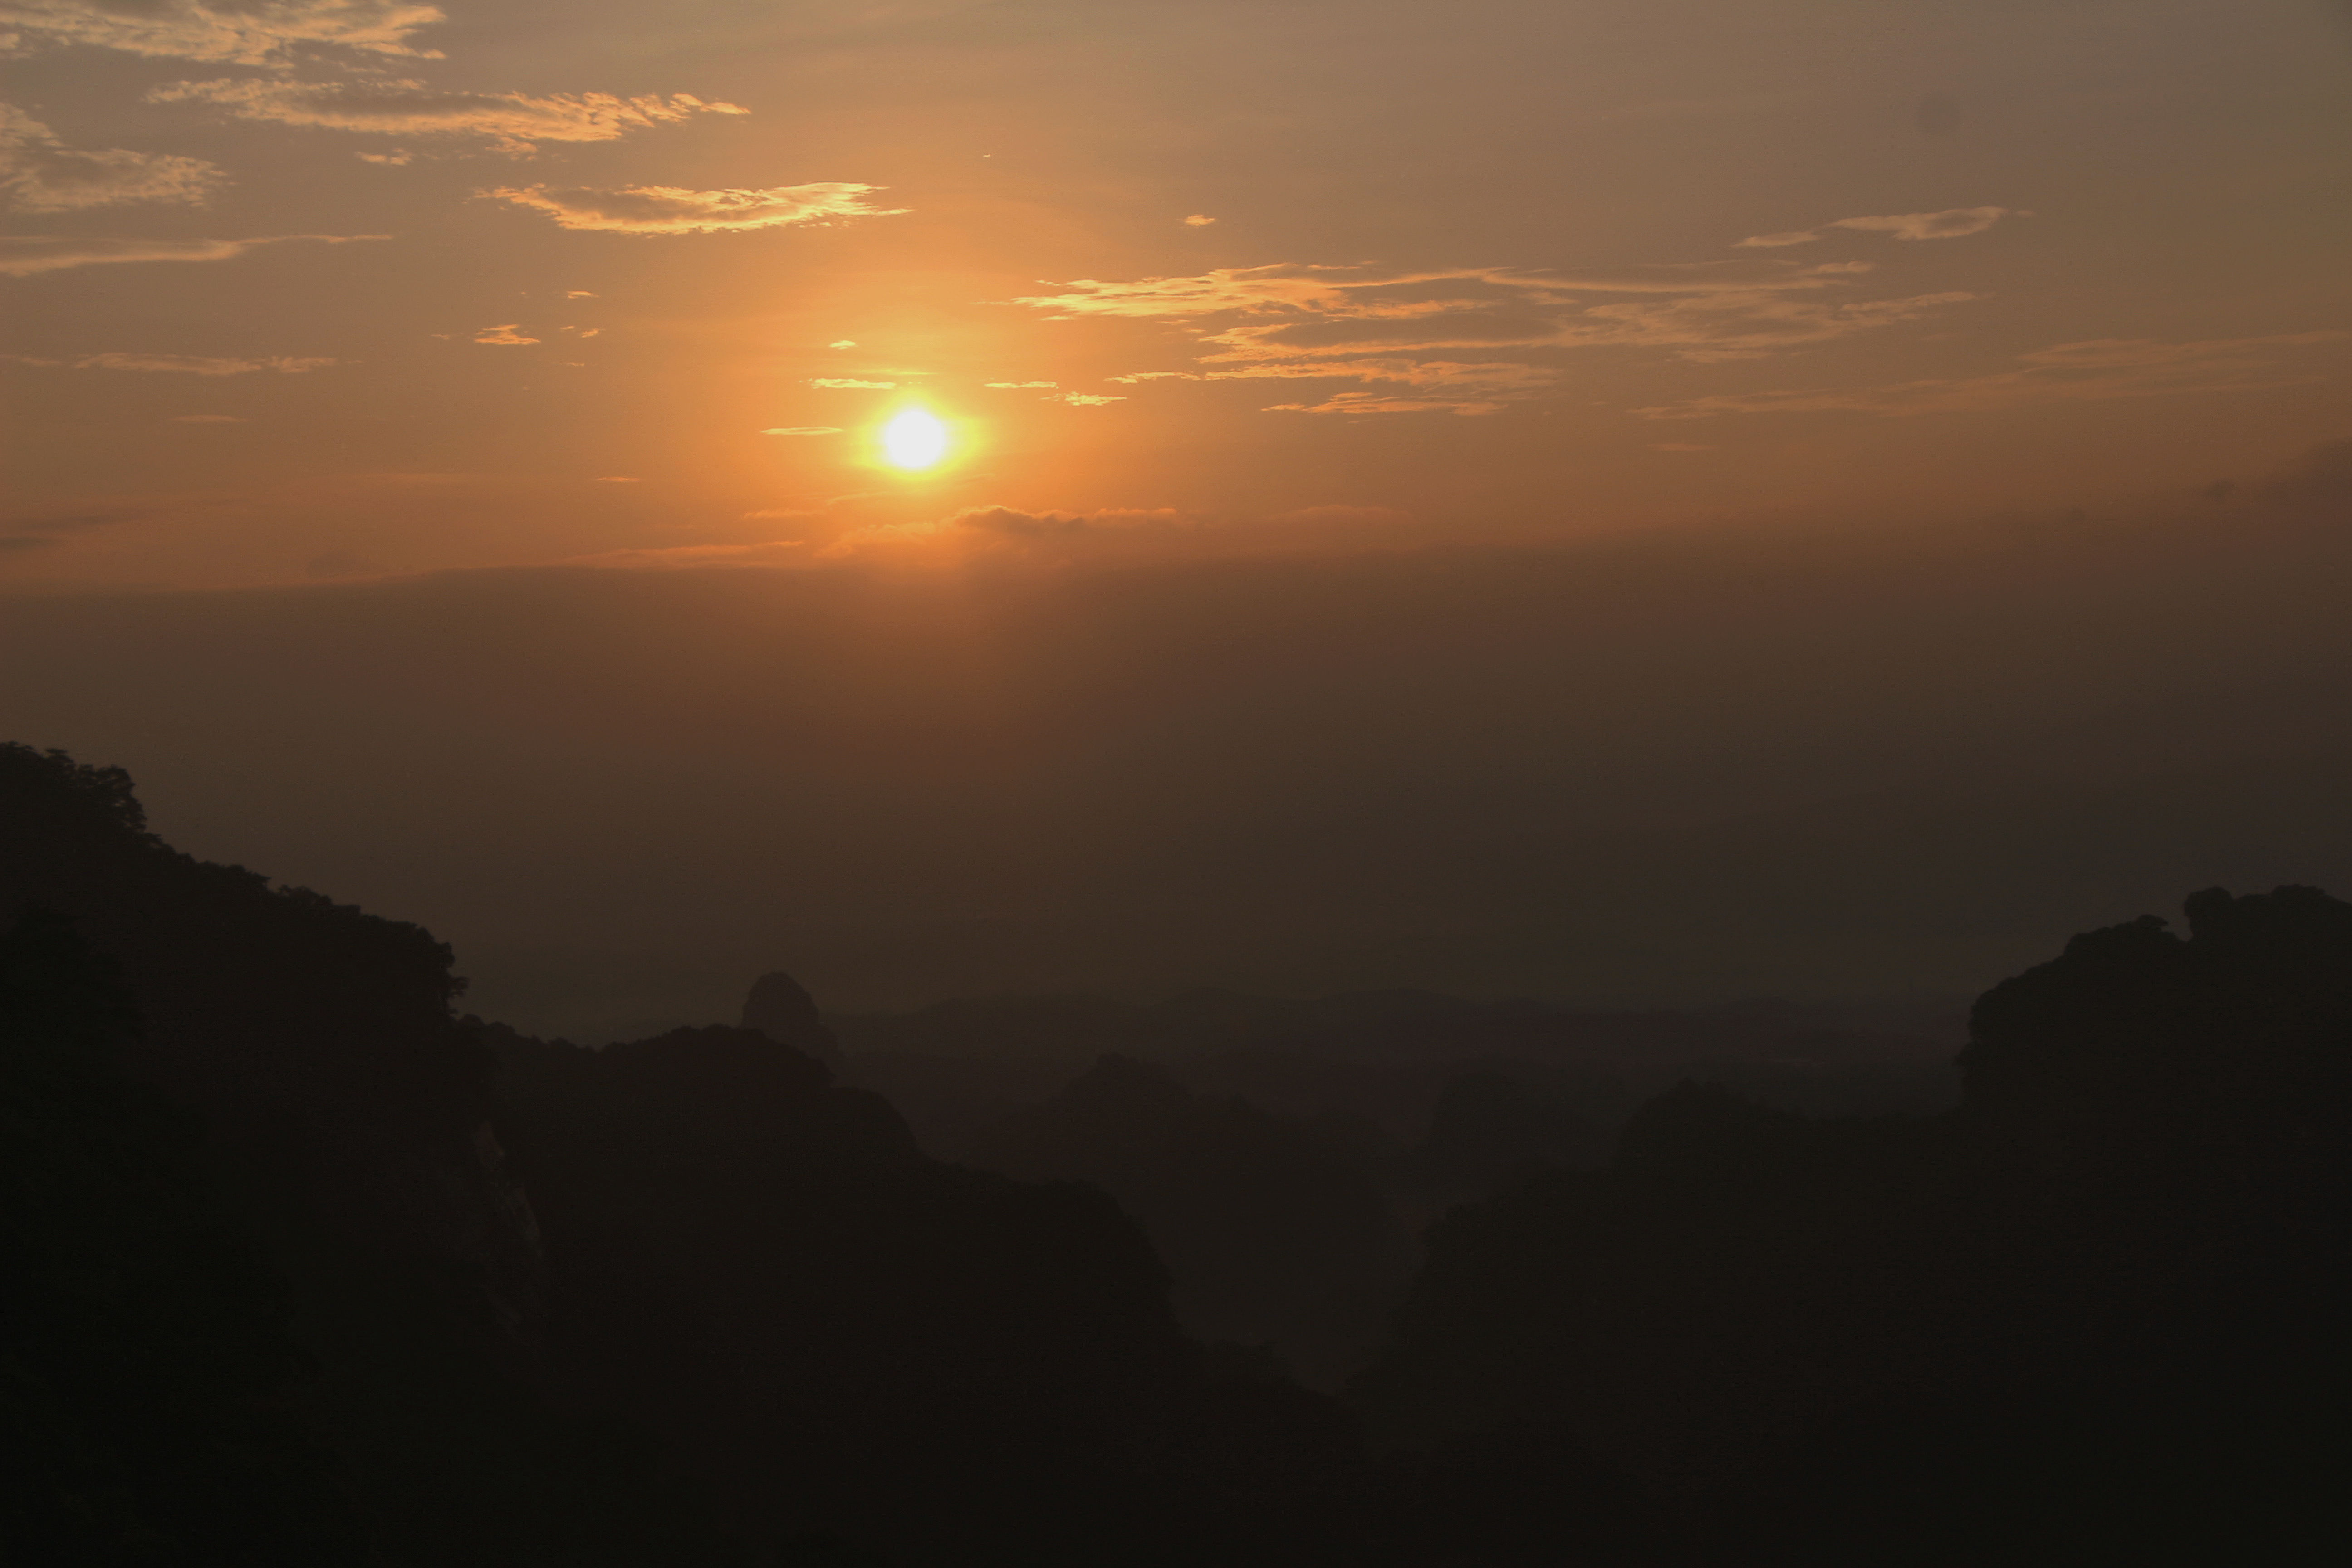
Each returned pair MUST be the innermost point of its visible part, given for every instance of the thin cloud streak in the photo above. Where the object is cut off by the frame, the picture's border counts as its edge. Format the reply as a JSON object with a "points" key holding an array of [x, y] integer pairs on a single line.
{"points": [[1001, 530], [512, 122], [2093, 370], [672, 209], [21, 256], [1374, 403], [693, 557], [184, 365], [270, 33], [1952, 223], [1375, 324]]}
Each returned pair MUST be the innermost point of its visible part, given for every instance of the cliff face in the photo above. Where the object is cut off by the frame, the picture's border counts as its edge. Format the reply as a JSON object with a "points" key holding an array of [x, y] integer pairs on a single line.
{"points": [[780, 1007]]}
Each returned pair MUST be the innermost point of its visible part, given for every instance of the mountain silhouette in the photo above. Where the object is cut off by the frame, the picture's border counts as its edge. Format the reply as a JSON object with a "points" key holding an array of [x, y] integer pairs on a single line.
{"points": [[298, 1266], [2086, 1315], [1271, 1235]]}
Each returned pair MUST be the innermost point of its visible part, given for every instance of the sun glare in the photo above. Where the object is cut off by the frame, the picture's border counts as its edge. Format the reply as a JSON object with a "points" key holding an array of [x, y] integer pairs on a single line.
{"points": [[914, 439]]}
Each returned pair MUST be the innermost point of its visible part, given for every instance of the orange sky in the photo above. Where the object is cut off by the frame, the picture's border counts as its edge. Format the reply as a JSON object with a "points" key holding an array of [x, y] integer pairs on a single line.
{"points": [[325, 288], [1625, 499]]}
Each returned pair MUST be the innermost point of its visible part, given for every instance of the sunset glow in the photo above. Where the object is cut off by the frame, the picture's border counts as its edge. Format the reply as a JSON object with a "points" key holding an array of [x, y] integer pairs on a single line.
{"points": [[914, 439], [1290, 783]]}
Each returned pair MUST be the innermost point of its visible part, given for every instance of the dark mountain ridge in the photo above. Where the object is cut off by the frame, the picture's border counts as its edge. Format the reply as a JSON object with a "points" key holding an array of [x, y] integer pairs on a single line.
{"points": [[304, 1268], [757, 1319]]}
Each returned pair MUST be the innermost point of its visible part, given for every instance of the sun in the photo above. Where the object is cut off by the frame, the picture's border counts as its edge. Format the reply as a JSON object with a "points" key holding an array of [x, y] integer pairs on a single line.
{"points": [[914, 439]]}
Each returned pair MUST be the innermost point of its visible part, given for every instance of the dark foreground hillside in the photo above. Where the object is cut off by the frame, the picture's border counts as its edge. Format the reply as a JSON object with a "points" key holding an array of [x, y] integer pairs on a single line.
{"points": [[301, 1269], [2092, 1315], [711, 1311]]}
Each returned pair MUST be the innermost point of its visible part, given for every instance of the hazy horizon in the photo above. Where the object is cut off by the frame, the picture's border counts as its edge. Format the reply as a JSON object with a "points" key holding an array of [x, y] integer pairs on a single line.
{"points": [[1645, 503]]}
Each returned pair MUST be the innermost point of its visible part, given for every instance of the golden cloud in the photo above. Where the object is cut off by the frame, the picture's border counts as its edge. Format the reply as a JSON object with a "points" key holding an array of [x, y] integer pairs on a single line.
{"points": [[671, 209], [1952, 223], [1374, 403], [511, 121], [23, 254], [1368, 323], [251, 33], [40, 173]]}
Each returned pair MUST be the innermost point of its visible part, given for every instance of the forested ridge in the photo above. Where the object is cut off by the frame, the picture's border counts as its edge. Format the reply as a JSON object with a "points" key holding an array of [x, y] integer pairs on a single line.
{"points": [[306, 1267]]}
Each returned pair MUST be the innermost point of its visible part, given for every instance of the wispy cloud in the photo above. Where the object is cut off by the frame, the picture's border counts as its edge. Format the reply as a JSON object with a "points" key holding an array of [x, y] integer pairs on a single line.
{"points": [[850, 384], [186, 364], [1375, 403], [1198, 220], [505, 336], [2068, 373], [38, 173], [1500, 378], [803, 430], [1018, 385], [1441, 384], [1952, 223], [671, 209], [86, 517], [688, 557], [510, 122], [23, 254], [1371, 323], [1000, 529], [251, 33], [1084, 399]]}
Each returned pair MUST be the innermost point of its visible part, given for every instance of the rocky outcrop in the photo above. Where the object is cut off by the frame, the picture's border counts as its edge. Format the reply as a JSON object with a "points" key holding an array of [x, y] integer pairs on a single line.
{"points": [[1274, 1235], [782, 1009]]}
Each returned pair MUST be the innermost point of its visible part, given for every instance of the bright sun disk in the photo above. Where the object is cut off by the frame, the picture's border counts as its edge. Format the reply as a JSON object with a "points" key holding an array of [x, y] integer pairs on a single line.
{"points": [[914, 439]]}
